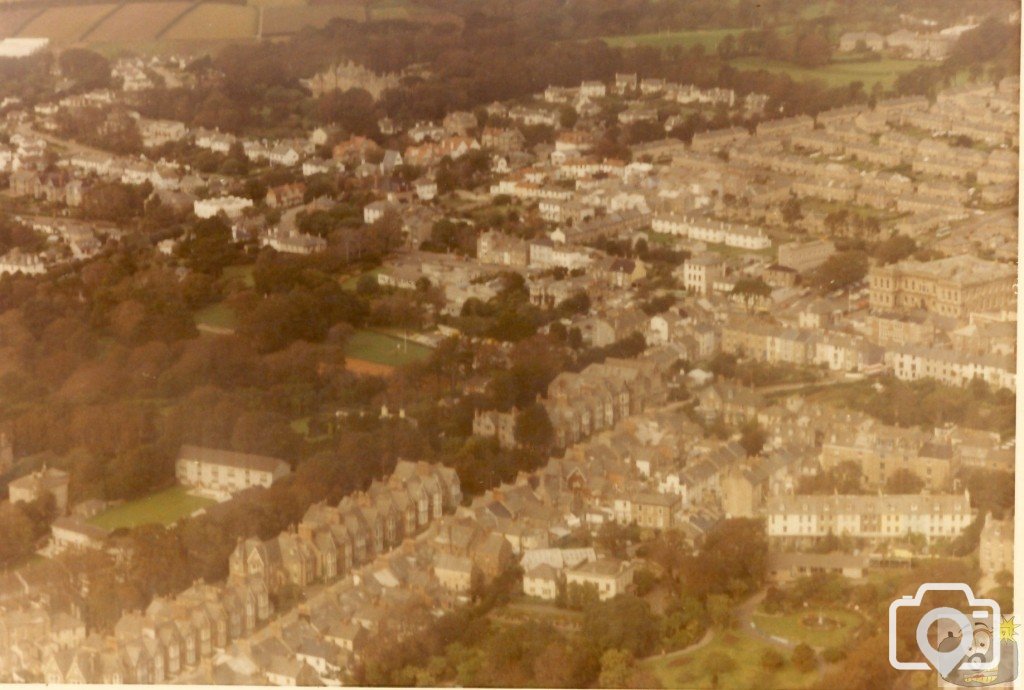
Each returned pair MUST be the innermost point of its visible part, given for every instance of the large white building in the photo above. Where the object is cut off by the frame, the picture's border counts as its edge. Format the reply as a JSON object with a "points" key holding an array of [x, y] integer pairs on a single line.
{"points": [[953, 368], [702, 271], [225, 471], [37, 484], [231, 206], [22, 47], [610, 577], [868, 516], [712, 231]]}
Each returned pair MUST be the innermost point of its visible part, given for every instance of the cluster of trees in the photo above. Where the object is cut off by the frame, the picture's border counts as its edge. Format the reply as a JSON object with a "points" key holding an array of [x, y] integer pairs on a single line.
{"points": [[840, 271], [115, 202], [806, 44], [930, 403], [25, 524], [85, 68], [468, 647], [103, 127], [16, 235], [29, 78], [493, 55]]}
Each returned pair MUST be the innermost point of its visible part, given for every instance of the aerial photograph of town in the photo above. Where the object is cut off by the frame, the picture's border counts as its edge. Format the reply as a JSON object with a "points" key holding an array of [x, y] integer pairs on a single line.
{"points": [[509, 343]]}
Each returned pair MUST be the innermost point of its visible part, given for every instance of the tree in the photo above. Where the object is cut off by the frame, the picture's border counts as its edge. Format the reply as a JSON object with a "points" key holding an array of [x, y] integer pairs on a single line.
{"points": [[792, 211], [625, 623], [727, 47], [813, 49], [616, 668], [903, 481], [840, 271], [719, 608], [86, 68], [751, 289], [732, 560], [752, 437], [772, 660], [896, 248], [533, 428], [804, 658]]}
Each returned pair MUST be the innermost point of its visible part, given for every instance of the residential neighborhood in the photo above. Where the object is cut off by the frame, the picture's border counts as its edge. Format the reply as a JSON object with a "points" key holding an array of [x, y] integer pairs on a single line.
{"points": [[610, 361]]}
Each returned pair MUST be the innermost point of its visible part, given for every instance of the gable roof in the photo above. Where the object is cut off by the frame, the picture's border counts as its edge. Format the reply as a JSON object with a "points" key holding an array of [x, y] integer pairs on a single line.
{"points": [[228, 458]]}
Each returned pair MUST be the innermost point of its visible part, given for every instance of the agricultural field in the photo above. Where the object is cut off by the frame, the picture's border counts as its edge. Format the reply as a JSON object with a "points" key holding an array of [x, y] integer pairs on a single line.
{"points": [[217, 317], [65, 24], [214, 22], [12, 20], [709, 38], [287, 20], [792, 627], [731, 661], [838, 73], [162, 508], [136, 22], [381, 348]]}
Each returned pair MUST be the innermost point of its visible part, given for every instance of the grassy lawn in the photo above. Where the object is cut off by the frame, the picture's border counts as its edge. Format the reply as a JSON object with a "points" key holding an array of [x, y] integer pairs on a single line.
{"points": [[243, 273], [839, 73], [692, 670], [352, 281], [162, 508], [709, 38], [384, 349], [217, 315], [790, 627]]}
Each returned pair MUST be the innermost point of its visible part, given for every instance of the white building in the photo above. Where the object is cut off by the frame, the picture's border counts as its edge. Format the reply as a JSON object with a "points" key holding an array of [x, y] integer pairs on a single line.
{"points": [[702, 271], [541, 581], [75, 533], [868, 516], [712, 231], [231, 206], [225, 471], [22, 47], [952, 368], [609, 576]]}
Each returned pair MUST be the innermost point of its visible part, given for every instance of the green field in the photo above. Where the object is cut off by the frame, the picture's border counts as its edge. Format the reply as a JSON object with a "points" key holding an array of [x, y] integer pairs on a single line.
{"points": [[839, 73], [709, 38], [242, 272], [162, 508], [351, 282], [790, 627], [384, 349], [219, 316], [692, 670]]}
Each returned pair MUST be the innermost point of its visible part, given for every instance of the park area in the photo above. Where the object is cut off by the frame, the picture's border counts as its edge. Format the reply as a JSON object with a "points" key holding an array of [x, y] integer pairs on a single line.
{"points": [[836, 73], [709, 38], [730, 661], [384, 348], [829, 627], [163, 508], [217, 318]]}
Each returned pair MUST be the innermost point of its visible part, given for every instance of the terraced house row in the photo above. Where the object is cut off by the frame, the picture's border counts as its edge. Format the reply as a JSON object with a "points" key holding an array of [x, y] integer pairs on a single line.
{"points": [[331, 540], [175, 637]]}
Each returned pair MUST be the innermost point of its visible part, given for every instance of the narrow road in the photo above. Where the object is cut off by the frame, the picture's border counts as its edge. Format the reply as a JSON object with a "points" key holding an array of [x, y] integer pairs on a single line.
{"points": [[71, 146], [709, 635], [745, 621]]}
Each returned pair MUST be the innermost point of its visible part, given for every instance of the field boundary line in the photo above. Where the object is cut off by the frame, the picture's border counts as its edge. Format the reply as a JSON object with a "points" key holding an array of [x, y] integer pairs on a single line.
{"points": [[175, 20], [101, 19]]}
